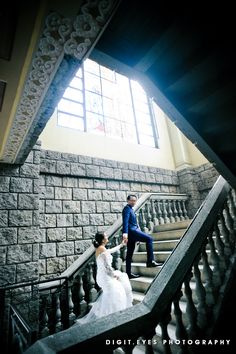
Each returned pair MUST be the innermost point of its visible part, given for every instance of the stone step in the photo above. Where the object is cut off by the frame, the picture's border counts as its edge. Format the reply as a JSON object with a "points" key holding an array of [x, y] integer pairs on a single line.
{"points": [[140, 268], [172, 226], [138, 297], [140, 284], [141, 257], [168, 235], [164, 245]]}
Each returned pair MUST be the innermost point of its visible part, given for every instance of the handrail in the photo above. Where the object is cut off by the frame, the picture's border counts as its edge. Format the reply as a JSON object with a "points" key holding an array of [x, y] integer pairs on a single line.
{"points": [[143, 317], [84, 259]]}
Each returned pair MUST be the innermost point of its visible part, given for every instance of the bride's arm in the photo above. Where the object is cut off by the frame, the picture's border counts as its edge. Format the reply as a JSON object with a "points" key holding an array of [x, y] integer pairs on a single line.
{"points": [[115, 249], [108, 268]]}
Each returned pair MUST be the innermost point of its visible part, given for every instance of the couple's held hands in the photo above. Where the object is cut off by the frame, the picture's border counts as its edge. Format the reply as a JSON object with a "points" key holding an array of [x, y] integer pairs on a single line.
{"points": [[125, 239]]}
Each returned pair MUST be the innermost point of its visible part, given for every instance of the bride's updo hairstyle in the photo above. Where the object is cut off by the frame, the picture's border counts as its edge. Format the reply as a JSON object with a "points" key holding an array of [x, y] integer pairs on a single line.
{"points": [[98, 239]]}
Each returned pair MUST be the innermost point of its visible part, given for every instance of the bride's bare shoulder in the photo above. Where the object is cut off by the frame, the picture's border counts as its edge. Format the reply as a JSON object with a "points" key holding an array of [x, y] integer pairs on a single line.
{"points": [[100, 249]]}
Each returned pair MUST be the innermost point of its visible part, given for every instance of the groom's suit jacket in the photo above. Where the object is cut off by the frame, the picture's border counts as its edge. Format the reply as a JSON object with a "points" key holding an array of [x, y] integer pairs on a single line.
{"points": [[129, 219]]}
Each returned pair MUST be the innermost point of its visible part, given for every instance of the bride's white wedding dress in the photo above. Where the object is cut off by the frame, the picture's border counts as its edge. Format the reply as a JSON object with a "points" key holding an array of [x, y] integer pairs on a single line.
{"points": [[116, 293]]}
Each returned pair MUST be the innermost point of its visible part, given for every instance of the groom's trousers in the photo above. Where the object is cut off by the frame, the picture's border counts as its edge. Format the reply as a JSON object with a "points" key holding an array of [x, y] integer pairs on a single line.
{"points": [[135, 235]]}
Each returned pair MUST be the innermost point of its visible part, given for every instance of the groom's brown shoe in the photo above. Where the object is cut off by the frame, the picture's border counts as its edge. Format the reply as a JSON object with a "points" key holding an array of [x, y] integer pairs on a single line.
{"points": [[133, 276]]}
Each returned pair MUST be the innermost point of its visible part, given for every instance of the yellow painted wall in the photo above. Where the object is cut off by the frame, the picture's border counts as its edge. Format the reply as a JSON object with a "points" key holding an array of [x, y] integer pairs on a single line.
{"points": [[174, 149]]}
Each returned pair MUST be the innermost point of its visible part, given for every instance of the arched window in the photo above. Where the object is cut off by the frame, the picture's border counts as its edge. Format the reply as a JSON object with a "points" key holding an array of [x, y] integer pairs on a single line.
{"points": [[99, 100]]}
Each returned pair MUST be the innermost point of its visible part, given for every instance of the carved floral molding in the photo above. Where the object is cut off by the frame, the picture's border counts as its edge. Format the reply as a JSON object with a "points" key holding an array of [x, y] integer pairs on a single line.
{"points": [[60, 36]]}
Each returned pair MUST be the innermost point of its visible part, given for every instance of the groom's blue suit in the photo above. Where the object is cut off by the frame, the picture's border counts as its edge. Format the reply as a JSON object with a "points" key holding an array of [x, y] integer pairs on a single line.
{"points": [[130, 227]]}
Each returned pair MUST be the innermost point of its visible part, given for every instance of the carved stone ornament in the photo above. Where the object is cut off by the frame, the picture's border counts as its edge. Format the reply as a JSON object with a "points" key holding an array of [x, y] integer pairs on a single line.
{"points": [[60, 36]]}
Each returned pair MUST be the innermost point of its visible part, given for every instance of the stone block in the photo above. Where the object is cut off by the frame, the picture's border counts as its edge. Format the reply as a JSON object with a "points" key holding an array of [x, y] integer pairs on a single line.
{"points": [[63, 168], [48, 220], [106, 172], [123, 165], [48, 166], [53, 206], [47, 250], [7, 275], [69, 157], [124, 186], [159, 178], [56, 234], [89, 232], [71, 206], [150, 177], [139, 176], [94, 194], [117, 173], [128, 175], [52, 155], [108, 195], [135, 187], [65, 248], [54, 181], [8, 236], [21, 185], [28, 201], [143, 168], [74, 233], [133, 167], [103, 207], [30, 235], [42, 266], [81, 219], [42, 180], [47, 192], [64, 193], [100, 184], [29, 170], [165, 189], [64, 220], [36, 186], [82, 246], [3, 254], [78, 169], [8, 201], [96, 219], [4, 184], [117, 207], [113, 185], [37, 157], [35, 218], [71, 259], [19, 254], [70, 182], [85, 183], [111, 163], [3, 218], [35, 254], [99, 162], [80, 194], [30, 157], [20, 218], [110, 219], [121, 196], [56, 265], [85, 159], [9, 170], [88, 207], [92, 171]]}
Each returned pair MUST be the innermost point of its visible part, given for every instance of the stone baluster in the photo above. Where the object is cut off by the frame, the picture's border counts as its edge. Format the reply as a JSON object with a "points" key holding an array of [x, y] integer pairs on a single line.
{"points": [[170, 212], [148, 337], [207, 275], [144, 222], [91, 282], [185, 213], [176, 216], [154, 213], [181, 215], [220, 248], [58, 323], [81, 295], [72, 316], [201, 296], [215, 262], [165, 214], [232, 205], [44, 329], [230, 225], [191, 310], [159, 213], [225, 233], [150, 223], [180, 331], [166, 318]]}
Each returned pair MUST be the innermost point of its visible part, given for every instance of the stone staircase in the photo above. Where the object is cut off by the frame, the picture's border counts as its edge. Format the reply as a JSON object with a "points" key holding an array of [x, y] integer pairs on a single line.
{"points": [[165, 238]]}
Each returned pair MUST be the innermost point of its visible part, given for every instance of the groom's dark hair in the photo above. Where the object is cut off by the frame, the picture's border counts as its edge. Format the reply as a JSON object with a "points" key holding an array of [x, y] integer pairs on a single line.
{"points": [[130, 196]]}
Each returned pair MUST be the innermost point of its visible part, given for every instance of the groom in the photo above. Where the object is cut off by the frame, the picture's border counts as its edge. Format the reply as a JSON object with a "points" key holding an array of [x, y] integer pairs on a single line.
{"points": [[132, 232]]}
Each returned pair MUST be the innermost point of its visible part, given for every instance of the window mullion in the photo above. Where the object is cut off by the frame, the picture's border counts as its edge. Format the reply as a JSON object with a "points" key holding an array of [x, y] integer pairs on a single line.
{"points": [[84, 99], [135, 118], [153, 122]]}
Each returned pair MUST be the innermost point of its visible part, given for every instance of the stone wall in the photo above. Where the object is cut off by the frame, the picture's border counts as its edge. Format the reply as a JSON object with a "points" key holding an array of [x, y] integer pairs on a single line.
{"points": [[19, 220], [80, 195]]}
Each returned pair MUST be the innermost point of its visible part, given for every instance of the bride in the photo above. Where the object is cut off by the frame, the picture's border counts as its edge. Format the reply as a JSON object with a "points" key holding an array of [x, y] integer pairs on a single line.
{"points": [[116, 289]]}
